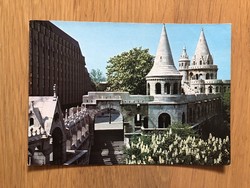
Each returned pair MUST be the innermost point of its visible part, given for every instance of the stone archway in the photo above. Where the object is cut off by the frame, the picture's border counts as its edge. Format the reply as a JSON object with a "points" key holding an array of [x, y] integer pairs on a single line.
{"points": [[175, 90], [210, 88], [207, 76], [157, 88], [166, 88], [57, 144], [164, 120], [108, 115]]}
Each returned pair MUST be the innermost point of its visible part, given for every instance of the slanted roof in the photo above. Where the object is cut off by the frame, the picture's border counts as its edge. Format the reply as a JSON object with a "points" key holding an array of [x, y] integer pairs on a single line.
{"points": [[46, 105], [202, 50], [163, 63], [184, 56], [43, 108]]}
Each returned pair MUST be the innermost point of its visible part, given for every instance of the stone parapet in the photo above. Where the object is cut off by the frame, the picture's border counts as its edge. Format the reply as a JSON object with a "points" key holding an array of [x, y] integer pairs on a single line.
{"points": [[164, 78], [211, 67], [197, 82], [226, 81], [123, 97], [180, 99], [213, 81]]}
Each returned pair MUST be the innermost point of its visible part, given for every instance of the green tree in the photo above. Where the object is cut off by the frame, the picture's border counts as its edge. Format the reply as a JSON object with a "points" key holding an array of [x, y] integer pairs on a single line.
{"points": [[183, 130], [97, 76], [226, 105], [127, 71]]}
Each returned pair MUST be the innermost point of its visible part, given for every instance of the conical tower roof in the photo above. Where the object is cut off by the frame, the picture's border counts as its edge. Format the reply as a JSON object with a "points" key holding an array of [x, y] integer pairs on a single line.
{"points": [[184, 55], [163, 63], [202, 51], [202, 47]]}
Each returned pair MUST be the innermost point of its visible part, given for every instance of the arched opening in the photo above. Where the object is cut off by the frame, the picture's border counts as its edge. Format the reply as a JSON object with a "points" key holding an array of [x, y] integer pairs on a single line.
{"points": [[167, 88], [217, 89], [197, 76], [210, 88], [108, 116], [164, 120], [200, 77], [57, 137], [200, 62], [183, 118], [148, 93], [211, 76], [137, 120], [31, 121], [175, 91], [207, 76], [145, 122], [157, 88], [191, 75]]}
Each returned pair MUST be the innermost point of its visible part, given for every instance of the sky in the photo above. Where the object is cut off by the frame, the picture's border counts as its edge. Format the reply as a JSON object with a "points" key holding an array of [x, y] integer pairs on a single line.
{"points": [[99, 41]]}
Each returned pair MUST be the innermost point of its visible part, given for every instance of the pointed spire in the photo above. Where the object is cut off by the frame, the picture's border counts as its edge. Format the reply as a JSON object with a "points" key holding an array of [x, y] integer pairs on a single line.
{"points": [[202, 47], [202, 54], [163, 63], [164, 53], [184, 55]]}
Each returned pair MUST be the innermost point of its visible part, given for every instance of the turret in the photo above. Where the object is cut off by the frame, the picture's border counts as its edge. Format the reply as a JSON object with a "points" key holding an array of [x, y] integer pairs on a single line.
{"points": [[202, 67], [163, 78], [202, 54], [184, 62]]}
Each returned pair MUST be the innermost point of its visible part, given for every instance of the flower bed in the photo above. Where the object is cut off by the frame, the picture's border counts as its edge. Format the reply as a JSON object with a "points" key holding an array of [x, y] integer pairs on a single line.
{"points": [[170, 148]]}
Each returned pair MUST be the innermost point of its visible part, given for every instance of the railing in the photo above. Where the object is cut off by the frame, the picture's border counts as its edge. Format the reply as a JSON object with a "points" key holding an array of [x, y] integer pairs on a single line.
{"points": [[203, 67]]}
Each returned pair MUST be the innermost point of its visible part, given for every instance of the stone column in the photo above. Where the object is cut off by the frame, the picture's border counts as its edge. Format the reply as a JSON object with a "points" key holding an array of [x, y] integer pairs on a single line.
{"points": [[162, 88], [152, 88], [171, 88]]}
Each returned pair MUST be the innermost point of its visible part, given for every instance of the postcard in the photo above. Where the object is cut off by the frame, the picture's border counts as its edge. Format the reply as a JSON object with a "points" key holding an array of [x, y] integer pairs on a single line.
{"points": [[129, 93]]}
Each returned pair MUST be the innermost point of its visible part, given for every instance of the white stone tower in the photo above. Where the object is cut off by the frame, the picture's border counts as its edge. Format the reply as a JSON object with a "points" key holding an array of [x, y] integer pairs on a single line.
{"points": [[202, 73], [163, 78], [184, 63], [202, 63]]}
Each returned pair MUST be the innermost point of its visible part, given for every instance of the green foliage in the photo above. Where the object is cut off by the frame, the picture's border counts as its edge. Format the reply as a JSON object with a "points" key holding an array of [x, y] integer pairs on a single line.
{"points": [[97, 76], [183, 130], [226, 105], [127, 71]]}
